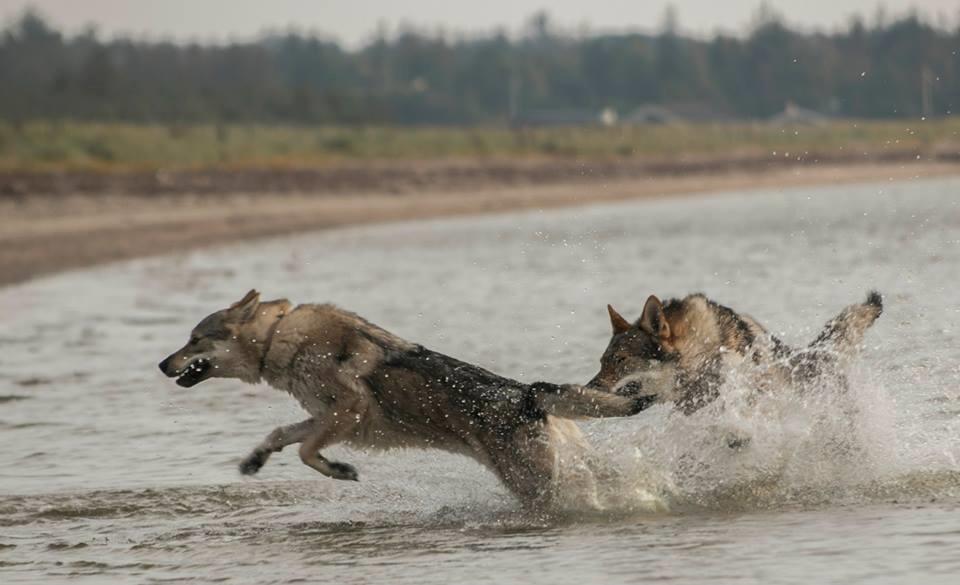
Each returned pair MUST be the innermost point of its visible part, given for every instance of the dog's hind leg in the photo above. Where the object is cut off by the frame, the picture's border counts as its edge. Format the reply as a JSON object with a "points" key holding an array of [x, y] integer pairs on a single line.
{"points": [[527, 466], [581, 471], [279, 438]]}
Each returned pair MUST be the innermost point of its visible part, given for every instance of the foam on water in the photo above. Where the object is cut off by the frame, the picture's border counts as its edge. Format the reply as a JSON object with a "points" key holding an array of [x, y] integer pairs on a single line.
{"points": [[762, 451], [831, 442]]}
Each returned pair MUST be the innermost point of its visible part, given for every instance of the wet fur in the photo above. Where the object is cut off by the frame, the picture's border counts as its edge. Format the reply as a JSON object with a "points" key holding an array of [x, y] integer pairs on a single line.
{"points": [[682, 350], [366, 387]]}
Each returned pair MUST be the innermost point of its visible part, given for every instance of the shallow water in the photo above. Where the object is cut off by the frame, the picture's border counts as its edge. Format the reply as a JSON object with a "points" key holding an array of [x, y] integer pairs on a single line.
{"points": [[110, 473]]}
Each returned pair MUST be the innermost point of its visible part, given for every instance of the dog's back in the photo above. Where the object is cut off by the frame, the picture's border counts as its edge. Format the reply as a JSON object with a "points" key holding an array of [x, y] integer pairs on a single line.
{"points": [[714, 329], [421, 393], [770, 363], [424, 398]]}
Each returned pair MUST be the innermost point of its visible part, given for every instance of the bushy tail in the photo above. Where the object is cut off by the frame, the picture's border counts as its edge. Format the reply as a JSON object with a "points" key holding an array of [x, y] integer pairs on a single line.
{"points": [[844, 333], [573, 401]]}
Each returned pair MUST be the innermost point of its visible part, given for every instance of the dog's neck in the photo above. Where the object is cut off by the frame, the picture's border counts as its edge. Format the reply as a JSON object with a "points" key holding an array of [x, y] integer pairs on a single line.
{"points": [[271, 313]]}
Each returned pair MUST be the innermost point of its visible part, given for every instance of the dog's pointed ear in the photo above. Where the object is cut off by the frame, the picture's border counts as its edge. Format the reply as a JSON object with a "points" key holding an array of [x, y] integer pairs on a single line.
{"points": [[617, 321], [652, 320], [246, 308]]}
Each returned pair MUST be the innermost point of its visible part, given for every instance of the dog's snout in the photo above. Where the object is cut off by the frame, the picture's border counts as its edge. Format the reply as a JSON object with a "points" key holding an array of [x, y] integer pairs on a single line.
{"points": [[164, 367]]}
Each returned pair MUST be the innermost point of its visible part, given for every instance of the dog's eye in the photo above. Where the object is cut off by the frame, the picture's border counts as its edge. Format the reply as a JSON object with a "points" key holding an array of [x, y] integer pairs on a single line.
{"points": [[194, 340]]}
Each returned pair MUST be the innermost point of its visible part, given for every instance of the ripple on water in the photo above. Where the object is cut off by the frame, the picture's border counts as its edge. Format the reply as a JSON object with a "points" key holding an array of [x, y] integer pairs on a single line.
{"points": [[100, 446]]}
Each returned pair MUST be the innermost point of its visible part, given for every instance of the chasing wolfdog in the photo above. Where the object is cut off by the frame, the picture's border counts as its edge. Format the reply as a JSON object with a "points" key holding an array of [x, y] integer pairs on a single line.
{"points": [[680, 351]]}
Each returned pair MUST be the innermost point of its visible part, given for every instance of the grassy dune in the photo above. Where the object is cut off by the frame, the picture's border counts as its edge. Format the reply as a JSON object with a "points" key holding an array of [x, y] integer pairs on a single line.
{"points": [[39, 146]]}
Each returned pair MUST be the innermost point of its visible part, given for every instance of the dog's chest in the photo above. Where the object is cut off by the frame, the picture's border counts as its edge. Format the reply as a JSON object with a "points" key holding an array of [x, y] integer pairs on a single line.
{"points": [[313, 392]]}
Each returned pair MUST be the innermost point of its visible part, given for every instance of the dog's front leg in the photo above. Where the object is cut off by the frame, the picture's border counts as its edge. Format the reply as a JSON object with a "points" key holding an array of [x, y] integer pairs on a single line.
{"points": [[310, 455], [329, 429], [279, 438]]}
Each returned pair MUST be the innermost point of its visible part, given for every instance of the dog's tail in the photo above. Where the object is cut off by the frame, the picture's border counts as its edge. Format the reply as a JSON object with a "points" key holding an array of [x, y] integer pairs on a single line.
{"points": [[573, 401], [844, 333]]}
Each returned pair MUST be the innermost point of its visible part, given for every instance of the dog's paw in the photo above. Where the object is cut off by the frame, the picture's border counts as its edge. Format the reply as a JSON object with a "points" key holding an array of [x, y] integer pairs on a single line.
{"points": [[343, 471], [253, 462]]}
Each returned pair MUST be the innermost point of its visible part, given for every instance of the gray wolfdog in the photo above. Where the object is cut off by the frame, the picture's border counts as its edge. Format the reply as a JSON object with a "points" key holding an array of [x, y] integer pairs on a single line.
{"points": [[680, 351], [366, 387]]}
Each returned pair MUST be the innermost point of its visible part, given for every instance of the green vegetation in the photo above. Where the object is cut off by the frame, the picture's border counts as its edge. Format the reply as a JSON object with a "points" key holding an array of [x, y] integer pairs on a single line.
{"points": [[903, 68], [81, 102], [94, 146]]}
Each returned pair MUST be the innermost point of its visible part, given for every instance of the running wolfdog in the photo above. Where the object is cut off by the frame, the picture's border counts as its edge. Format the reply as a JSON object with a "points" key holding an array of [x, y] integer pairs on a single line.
{"points": [[367, 387], [681, 350]]}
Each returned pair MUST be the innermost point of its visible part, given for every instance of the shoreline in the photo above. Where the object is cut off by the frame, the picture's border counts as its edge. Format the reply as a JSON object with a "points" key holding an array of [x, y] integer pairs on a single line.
{"points": [[413, 176], [45, 234]]}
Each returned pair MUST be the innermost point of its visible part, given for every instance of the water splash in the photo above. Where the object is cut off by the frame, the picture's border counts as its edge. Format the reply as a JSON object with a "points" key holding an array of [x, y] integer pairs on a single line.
{"points": [[832, 442]]}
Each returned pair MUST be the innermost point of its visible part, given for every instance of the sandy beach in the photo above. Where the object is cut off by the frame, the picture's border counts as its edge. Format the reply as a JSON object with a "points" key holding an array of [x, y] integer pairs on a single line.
{"points": [[43, 234]]}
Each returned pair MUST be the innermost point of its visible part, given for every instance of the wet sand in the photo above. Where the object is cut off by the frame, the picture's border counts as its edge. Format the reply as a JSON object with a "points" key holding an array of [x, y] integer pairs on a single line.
{"points": [[43, 234]]}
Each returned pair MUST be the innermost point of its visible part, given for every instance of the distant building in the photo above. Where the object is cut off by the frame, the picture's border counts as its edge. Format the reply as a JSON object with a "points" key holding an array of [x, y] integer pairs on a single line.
{"points": [[793, 114]]}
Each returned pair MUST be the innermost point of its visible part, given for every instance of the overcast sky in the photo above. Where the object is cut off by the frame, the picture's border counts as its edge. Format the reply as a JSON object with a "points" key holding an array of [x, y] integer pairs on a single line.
{"points": [[352, 21]]}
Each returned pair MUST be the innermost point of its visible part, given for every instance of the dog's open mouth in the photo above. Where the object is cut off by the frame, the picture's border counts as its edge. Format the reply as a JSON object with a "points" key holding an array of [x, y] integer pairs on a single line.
{"points": [[195, 373]]}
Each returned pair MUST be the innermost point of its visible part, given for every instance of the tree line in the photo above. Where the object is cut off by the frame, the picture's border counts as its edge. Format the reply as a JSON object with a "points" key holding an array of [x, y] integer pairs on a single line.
{"points": [[902, 68]]}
